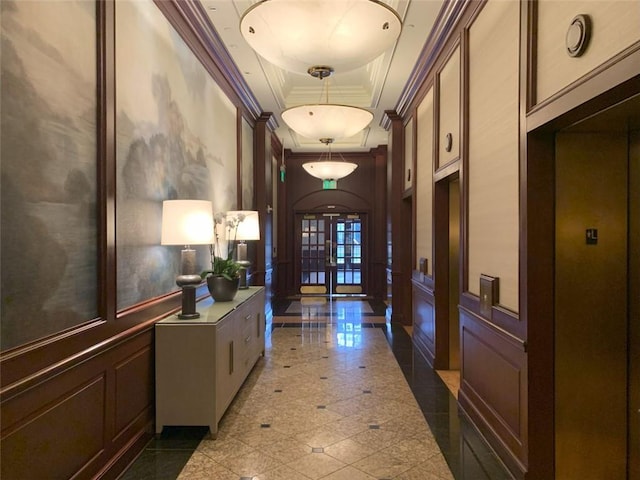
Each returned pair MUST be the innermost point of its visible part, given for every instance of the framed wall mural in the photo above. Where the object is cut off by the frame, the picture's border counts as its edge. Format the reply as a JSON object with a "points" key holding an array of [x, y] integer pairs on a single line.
{"points": [[48, 148], [176, 139], [247, 166]]}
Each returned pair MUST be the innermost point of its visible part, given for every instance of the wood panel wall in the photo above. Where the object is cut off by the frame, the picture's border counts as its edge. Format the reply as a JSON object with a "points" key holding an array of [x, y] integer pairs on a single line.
{"points": [[78, 420], [80, 404], [399, 216], [493, 389], [424, 183], [614, 20], [361, 192], [424, 319], [493, 149], [507, 387]]}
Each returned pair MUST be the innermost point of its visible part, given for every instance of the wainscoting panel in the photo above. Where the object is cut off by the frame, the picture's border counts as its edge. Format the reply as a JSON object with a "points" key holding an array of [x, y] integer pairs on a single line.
{"points": [[424, 327], [493, 387], [42, 433], [87, 421], [134, 387]]}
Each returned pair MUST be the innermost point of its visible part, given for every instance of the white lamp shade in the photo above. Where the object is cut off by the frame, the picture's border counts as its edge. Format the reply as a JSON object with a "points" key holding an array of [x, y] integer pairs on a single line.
{"points": [[343, 34], [187, 222], [328, 170], [327, 120], [249, 228]]}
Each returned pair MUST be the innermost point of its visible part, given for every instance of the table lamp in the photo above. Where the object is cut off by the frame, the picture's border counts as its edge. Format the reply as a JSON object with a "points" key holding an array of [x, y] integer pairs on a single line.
{"points": [[187, 222]]}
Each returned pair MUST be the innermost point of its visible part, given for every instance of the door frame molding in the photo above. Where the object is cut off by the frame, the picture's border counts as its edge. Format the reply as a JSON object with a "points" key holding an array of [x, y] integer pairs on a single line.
{"points": [[537, 278], [441, 268], [366, 249]]}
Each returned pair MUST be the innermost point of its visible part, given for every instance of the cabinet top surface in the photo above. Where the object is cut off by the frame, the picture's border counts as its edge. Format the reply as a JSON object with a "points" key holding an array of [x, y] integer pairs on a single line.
{"points": [[212, 312]]}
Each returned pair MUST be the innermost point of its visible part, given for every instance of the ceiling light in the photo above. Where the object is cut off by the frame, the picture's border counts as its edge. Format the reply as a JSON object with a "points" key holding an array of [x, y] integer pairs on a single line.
{"points": [[326, 120], [329, 169], [296, 35]]}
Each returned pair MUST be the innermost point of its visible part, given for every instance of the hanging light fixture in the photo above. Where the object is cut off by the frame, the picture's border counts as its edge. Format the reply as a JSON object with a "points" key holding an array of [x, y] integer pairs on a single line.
{"points": [[326, 120], [296, 35], [329, 169]]}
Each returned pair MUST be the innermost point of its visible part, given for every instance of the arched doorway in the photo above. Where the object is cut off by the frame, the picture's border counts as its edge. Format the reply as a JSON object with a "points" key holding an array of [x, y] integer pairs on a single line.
{"points": [[330, 253]]}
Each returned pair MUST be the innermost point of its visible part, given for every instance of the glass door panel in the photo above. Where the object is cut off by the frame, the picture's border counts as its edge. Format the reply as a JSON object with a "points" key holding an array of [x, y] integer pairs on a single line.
{"points": [[312, 255], [348, 254], [331, 253]]}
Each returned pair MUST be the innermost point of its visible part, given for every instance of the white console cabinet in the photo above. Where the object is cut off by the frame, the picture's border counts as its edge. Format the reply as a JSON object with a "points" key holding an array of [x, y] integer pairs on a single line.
{"points": [[202, 363]]}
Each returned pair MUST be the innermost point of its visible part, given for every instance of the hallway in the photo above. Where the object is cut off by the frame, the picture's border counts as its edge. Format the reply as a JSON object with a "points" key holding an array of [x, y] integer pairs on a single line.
{"points": [[340, 394]]}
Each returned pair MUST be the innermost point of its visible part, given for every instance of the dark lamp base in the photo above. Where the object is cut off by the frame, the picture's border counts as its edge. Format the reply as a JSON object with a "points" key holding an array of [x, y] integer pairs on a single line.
{"points": [[244, 266], [188, 284]]}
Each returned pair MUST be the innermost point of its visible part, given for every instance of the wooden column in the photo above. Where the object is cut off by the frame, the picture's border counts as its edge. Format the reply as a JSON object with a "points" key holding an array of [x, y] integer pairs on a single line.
{"points": [[399, 226], [263, 273], [262, 168]]}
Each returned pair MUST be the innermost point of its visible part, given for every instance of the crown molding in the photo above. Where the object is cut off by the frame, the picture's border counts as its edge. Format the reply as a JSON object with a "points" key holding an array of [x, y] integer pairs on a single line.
{"points": [[448, 18]]}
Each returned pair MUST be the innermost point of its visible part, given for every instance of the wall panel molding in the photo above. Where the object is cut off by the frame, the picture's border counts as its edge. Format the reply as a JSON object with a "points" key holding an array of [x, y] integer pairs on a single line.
{"points": [[493, 388], [501, 318], [79, 409], [105, 397], [615, 30], [452, 14], [574, 101], [133, 397], [424, 326]]}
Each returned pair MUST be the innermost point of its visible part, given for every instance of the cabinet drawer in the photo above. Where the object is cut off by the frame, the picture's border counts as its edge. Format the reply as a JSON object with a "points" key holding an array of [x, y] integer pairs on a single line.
{"points": [[253, 337]]}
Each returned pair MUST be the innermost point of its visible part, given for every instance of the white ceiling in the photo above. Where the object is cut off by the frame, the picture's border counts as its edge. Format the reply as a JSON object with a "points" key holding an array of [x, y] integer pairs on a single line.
{"points": [[376, 86]]}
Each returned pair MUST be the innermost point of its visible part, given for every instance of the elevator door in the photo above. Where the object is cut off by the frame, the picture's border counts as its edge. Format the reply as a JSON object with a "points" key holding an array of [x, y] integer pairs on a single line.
{"points": [[596, 433], [330, 253]]}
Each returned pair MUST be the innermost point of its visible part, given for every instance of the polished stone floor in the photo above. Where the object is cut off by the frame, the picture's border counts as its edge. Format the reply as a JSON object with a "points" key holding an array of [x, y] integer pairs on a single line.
{"points": [[340, 394]]}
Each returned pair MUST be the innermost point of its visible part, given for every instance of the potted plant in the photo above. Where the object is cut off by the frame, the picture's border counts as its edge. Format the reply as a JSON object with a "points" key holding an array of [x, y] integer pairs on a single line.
{"points": [[224, 276]]}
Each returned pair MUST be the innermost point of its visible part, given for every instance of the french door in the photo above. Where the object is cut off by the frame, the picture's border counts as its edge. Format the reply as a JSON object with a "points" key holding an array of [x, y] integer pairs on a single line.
{"points": [[330, 253]]}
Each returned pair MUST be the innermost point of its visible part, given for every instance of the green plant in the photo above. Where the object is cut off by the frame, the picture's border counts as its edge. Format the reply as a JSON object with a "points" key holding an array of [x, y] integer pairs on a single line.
{"points": [[226, 267]]}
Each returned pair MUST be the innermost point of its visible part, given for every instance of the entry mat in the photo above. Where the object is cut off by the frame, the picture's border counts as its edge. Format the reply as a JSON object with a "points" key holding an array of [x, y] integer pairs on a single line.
{"points": [[325, 306]]}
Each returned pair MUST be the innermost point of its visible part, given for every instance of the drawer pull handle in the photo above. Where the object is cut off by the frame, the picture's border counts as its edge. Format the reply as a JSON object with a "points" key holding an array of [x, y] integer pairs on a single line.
{"points": [[230, 358], [246, 340], [247, 317]]}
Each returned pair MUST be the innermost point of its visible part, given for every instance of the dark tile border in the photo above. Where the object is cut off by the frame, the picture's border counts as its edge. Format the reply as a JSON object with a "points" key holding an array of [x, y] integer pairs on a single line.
{"points": [[166, 454], [449, 425], [279, 307], [275, 324]]}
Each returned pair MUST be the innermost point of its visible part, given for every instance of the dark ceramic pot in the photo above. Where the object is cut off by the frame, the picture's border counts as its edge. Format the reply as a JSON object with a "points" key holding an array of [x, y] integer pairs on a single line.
{"points": [[221, 289]]}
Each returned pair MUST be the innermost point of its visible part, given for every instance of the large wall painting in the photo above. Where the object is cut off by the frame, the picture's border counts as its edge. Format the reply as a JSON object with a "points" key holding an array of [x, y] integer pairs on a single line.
{"points": [[176, 139], [247, 166], [48, 168]]}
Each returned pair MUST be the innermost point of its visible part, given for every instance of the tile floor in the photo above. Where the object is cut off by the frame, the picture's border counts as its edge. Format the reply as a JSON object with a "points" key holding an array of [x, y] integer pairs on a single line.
{"points": [[340, 394]]}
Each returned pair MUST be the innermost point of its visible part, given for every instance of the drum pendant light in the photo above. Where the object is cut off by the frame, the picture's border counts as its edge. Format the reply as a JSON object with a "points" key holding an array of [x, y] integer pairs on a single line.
{"points": [[298, 34]]}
